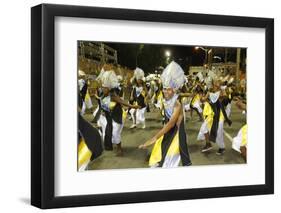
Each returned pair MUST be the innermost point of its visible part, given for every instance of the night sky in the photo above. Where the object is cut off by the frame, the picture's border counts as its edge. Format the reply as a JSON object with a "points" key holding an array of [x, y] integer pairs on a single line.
{"points": [[184, 55], [149, 57]]}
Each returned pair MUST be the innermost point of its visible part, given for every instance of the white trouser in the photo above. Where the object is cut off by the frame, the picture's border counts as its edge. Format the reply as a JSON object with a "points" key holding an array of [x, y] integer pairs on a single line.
{"points": [[197, 106], [140, 118], [116, 129], [187, 107], [116, 132], [83, 108], [228, 110], [102, 122], [220, 137], [237, 141]]}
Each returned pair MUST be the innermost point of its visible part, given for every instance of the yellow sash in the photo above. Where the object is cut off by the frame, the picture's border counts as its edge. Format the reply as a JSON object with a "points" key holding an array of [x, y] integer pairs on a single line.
{"points": [[84, 154], [156, 153]]}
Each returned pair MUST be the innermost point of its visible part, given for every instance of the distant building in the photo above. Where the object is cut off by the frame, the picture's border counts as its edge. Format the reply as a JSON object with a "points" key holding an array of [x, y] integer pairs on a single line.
{"points": [[194, 70], [217, 68]]}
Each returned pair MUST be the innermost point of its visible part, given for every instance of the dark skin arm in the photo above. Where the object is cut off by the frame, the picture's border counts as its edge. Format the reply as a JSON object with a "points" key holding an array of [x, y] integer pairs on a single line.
{"points": [[243, 150], [204, 98], [96, 94], [131, 95], [241, 105], [223, 94], [144, 88], [117, 99], [186, 94], [146, 95]]}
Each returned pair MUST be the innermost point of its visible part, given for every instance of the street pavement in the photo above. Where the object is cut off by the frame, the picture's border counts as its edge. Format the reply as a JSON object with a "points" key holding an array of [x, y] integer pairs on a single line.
{"points": [[138, 158]]}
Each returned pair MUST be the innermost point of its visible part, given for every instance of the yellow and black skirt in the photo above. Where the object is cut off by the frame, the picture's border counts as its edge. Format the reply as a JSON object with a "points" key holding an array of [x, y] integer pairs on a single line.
{"points": [[89, 143], [170, 149]]}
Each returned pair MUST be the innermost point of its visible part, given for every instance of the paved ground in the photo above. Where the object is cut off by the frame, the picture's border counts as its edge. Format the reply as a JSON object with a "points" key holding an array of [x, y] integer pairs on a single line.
{"points": [[136, 158]]}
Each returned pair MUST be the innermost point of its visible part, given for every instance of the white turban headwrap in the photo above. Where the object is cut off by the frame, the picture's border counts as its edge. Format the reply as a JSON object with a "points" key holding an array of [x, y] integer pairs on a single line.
{"points": [[173, 76], [109, 79], [81, 73], [120, 78], [100, 75], [139, 74]]}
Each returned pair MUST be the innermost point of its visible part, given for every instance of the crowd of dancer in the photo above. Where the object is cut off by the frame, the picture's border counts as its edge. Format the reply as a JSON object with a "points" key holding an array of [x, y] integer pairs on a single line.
{"points": [[173, 94]]}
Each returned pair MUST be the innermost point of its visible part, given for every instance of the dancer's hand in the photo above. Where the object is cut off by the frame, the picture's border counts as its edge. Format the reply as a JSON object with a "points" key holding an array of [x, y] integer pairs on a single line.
{"points": [[148, 143], [229, 122], [142, 146], [135, 107]]}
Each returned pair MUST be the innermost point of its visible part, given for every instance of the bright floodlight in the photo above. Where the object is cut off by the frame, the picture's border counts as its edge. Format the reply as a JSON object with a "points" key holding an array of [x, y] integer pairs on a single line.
{"points": [[168, 53]]}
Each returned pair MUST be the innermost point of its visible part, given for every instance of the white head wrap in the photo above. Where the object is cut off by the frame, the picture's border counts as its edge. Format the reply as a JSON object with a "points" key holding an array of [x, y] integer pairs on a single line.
{"points": [[100, 75], [200, 76], [186, 79], [230, 80], [81, 83], [139, 74], [173, 76], [120, 78], [81, 73], [214, 96], [109, 79]]}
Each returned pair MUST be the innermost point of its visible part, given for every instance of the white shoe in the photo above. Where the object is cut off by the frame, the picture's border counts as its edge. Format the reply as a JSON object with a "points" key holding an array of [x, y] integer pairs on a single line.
{"points": [[143, 126], [133, 126]]}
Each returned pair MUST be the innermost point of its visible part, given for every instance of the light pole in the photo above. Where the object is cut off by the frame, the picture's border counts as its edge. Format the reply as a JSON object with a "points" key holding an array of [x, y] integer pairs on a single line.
{"points": [[217, 57], [238, 53], [207, 52], [168, 55], [140, 47]]}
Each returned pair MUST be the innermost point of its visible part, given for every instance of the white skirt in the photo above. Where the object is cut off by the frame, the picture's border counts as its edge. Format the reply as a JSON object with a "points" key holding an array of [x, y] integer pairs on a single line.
{"points": [[237, 141], [204, 129], [228, 110], [96, 111], [187, 107], [140, 118], [197, 106], [84, 166], [87, 104], [83, 108], [116, 129], [171, 161]]}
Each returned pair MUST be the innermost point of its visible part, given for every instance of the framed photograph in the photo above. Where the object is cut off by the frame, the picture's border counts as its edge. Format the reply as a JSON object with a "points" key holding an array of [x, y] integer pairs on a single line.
{"points": [[136, 106]]}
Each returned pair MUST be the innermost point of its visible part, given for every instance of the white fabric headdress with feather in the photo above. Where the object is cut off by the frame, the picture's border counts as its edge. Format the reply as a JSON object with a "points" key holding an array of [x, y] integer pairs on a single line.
{"points": [[100, 75], [173, 76], [139, 74], [109, 79]]}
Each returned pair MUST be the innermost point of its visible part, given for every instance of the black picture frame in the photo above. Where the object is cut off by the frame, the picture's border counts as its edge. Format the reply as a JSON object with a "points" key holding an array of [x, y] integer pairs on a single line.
{"points": [[43, 105]]}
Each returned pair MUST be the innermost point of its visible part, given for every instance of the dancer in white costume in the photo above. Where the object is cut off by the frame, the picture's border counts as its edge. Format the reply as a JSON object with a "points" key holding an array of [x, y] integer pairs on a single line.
{"points": [[195, 103], [241, 140], [138, 96], [83, 89], [98, 95], [112, 116], [170, 147], [226, 101], [214, 116]]}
